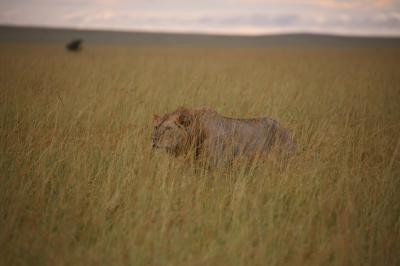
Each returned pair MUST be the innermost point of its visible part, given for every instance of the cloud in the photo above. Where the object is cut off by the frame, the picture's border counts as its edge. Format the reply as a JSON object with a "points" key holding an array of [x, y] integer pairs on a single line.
{"points": [[223, 16], [237, 22]]}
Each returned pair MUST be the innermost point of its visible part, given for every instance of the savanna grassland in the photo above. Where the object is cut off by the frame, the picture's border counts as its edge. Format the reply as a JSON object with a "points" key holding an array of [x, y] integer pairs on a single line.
{"points": [[80, 184]]}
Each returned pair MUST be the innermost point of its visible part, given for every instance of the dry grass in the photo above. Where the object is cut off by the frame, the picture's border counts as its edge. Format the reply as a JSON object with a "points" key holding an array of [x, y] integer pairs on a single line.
{"points": [[81, 186]]}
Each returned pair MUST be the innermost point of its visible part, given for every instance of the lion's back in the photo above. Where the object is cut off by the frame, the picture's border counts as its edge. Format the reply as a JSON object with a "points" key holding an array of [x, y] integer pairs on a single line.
{"points": [[244, 136]]}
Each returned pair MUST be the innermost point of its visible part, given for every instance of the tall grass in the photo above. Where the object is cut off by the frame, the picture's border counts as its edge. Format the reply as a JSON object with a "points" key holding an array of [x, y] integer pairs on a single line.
{"points": [[80, 185]]}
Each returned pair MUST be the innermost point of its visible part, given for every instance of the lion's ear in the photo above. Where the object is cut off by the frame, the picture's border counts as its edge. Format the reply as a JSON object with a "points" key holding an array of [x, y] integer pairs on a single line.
{"points": [[156, 120], [185, 118]]}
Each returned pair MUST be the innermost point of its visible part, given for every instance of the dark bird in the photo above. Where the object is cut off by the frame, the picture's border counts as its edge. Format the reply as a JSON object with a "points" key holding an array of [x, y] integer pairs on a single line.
{"points": [[74, 45]]}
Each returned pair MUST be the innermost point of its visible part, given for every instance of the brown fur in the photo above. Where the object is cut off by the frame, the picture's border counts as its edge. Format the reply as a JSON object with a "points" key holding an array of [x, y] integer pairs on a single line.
{"points": [[203, 133]]}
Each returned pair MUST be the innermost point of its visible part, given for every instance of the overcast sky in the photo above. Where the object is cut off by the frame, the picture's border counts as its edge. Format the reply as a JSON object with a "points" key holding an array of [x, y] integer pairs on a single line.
{"points": [[360, 17]]}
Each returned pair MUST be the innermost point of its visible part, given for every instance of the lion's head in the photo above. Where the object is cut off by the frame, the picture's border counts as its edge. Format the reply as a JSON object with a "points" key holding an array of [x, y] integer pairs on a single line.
{"points": [[170, 132]]}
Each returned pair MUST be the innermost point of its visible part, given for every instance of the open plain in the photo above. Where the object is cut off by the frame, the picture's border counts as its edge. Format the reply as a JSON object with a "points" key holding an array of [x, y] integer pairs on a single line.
{"points": [[80, 184]]}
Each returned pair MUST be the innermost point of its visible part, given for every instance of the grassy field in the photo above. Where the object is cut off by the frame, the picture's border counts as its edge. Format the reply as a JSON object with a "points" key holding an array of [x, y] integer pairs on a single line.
{"points": [[80, 185]]}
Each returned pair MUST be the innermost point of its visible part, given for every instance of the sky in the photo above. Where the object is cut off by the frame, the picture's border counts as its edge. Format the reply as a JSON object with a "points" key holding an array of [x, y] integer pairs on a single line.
{"points": [[247, 17]]}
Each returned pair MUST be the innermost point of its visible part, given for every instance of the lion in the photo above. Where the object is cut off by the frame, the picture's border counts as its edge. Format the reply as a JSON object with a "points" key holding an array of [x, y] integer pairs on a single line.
{"points": [[203, 133]]}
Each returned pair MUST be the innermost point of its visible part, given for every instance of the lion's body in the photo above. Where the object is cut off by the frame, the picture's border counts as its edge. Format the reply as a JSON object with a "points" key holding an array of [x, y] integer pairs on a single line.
{"points": [[206, 134]]}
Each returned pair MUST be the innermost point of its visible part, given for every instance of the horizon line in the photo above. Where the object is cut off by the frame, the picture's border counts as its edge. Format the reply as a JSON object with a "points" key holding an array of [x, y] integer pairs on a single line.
{"points": [[203, 33]]}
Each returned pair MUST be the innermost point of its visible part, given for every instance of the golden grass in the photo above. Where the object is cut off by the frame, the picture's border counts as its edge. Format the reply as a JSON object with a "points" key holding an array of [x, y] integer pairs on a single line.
{"points": [[81, 186]]}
